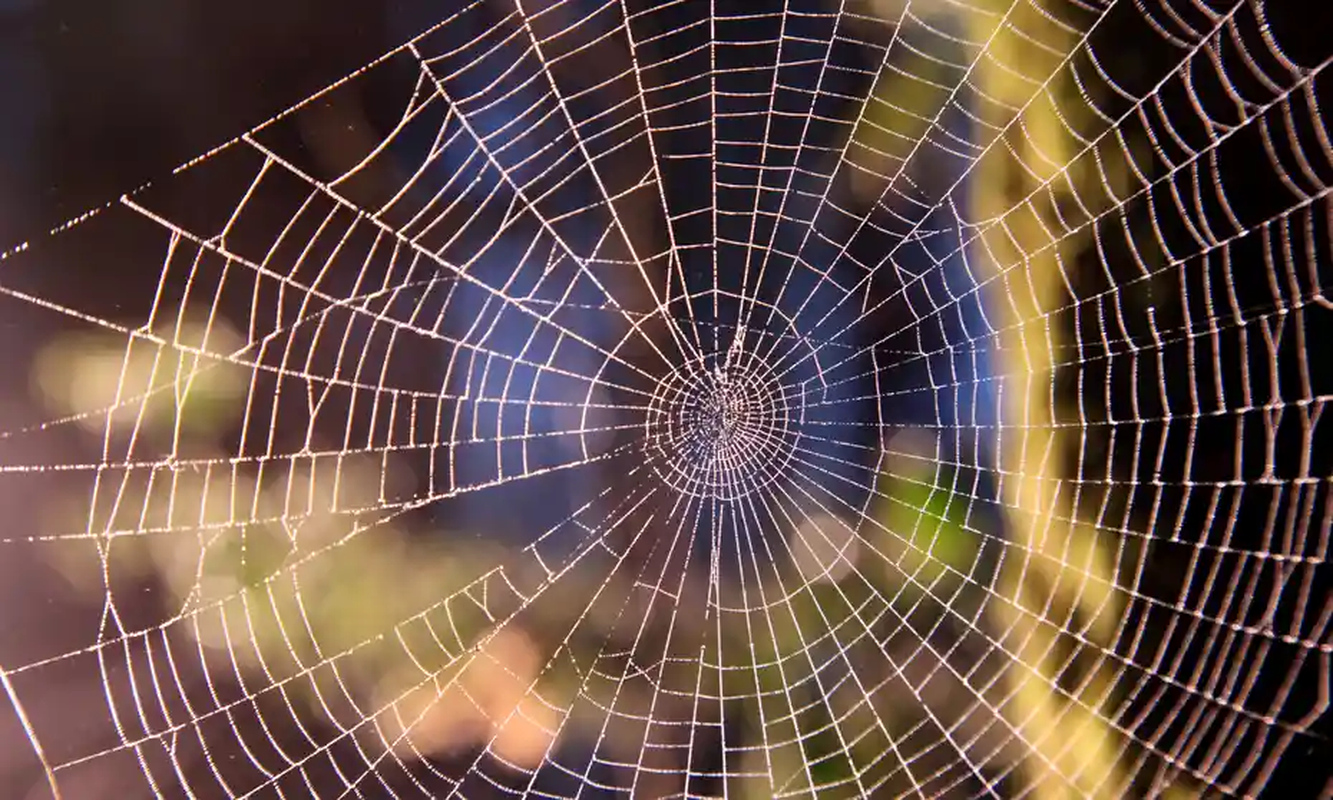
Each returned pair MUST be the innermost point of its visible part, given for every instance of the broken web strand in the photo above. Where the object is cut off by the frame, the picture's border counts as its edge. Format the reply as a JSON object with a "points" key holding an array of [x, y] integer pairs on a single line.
{"points": [[481, 142], [528, 691]]}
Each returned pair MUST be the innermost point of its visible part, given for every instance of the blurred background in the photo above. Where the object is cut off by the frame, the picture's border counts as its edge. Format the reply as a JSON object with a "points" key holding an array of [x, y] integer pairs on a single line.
{"points": [[684, 399]]}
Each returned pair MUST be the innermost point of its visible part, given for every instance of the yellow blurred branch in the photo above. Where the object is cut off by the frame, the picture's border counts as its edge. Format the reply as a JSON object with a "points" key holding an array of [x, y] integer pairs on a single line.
{"points": [[1065, 582]]}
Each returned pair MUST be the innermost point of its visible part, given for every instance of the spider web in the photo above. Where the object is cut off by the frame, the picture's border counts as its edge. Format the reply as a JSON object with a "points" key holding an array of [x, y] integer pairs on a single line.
{"points": [[634, 408]]}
